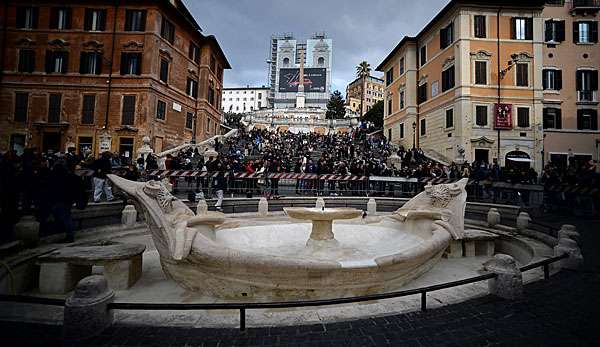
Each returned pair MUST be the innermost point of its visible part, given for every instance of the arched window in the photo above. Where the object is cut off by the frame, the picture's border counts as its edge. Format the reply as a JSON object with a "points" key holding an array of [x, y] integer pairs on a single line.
{"points": [[286, 61], [321, 61]]}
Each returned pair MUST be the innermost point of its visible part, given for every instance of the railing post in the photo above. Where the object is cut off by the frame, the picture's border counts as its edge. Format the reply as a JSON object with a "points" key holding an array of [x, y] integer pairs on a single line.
{"points": [[546, 272], [242, 319], [423, 301]]}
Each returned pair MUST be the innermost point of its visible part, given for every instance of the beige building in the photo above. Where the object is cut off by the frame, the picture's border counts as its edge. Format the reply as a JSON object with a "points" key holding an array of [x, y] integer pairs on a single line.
{"points": [[472, 80], [570, 80], [374, 88]]}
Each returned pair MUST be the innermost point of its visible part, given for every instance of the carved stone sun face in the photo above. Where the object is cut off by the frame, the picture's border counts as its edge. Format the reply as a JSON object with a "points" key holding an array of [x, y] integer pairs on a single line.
{"points": [[440, 195]]}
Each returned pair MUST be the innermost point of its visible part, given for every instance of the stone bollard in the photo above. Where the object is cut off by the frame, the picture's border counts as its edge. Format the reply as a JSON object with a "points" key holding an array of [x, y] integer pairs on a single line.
{"points": [[28, 231], [523, 221], [320, 203], [86, 310], [372, 207], [568, 231], [202, 207], [263, 207], [493, 217], [509, 283], [129, 215], [569, 246]]}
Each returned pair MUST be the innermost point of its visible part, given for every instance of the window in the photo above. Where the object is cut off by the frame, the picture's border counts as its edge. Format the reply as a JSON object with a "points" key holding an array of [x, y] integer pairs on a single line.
{"points": [[389, 106], [128, 110], [389, 76], [479, 28], [552, 118], [213, 63], [554, 31], [21, 104], [211, 94], [401, 66], [135, 20], [481, 116], [126, 146], [89, 105], [449, 118], [522, 28], [448, 79], [587, 83], [164, 70], [447, 36], [207, 124], [522, 71], [60, 18], [191, 88], [189, 120], [523, 117], [585, 32], [161, 110], [54, 108], [131, 63], [26, 60], [167, 31], [587, 119], [552, 79], [90, 63], [95, 19], [422, 93], [194, 52], [57, 61], [481, 72], [321, 61], [402, 100], [401, 130], [27, 17], [423, 127], [423, 55]]}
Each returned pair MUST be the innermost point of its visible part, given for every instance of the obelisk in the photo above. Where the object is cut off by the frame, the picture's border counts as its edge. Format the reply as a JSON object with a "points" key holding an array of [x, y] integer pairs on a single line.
{"points": [[300, 94]]}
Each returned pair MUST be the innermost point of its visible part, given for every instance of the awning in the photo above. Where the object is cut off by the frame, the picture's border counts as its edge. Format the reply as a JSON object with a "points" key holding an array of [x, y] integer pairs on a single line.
{"points": [[523, 160]]}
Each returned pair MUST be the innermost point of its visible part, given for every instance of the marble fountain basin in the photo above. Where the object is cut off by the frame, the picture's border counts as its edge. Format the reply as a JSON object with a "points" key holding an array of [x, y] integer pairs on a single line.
{"points": [[317, 253]]}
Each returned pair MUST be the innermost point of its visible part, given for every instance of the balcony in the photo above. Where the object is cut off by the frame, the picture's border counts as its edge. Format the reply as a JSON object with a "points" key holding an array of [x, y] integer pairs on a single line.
{"points": [[586, 97], [585, 6]]}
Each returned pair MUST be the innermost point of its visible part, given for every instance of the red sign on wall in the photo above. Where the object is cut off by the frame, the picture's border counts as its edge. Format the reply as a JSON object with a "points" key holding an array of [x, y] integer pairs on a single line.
{"points": [[502, 116]]}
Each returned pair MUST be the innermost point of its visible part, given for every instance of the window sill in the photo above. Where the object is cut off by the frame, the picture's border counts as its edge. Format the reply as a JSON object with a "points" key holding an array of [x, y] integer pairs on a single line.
{"points": [[552, 91], [593, 103], [481, 127], [449, 129], [585, 43]]}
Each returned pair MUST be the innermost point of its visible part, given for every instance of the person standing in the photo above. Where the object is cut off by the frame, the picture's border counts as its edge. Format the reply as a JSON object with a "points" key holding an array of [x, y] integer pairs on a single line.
{"points": [[102, 167]]}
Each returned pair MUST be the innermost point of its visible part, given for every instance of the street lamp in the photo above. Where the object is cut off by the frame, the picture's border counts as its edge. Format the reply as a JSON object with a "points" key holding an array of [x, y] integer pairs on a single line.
{"points": [[414, 126]]}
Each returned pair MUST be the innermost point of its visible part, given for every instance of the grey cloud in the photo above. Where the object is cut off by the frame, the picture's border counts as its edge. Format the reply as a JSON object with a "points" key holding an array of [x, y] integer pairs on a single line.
{"points": [[361, 30]]}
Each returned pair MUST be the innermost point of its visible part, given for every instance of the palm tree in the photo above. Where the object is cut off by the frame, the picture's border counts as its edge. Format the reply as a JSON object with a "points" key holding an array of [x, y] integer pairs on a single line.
{"points": [[363, 70]]}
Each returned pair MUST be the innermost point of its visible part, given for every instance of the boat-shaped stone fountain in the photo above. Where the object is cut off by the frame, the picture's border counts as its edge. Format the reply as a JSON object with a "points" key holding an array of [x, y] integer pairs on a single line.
{"points": [[337, 254]]}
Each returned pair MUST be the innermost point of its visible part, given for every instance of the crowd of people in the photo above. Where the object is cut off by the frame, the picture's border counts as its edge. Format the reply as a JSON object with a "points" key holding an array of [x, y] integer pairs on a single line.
{"points": [[47, 184]]}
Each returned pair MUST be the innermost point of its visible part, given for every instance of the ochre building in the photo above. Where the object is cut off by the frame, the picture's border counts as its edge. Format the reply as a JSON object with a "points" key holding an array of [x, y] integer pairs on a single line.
{"points": [[373, 93], [104, 74], [469, 85]]}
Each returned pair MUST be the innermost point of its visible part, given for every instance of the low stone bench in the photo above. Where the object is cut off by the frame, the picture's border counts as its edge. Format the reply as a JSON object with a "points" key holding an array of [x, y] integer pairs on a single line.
{"points": [[475, 243], [62, 269]]}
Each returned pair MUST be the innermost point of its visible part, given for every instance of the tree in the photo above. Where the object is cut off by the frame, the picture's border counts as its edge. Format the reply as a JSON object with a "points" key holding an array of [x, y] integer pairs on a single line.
{"points": [[375, 115], [335, 106], [363, 70]]}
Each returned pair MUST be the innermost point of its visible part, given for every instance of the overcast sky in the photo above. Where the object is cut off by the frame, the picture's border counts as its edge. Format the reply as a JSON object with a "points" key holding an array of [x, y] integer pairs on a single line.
{"points": [[361, 30]]}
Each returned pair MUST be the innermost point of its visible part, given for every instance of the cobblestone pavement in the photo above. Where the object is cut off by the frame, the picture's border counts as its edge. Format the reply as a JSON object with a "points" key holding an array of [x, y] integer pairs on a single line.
{"points": [[562, 311]]}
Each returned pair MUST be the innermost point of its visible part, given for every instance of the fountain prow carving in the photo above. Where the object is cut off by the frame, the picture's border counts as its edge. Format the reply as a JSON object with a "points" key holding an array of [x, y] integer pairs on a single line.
{"points": [[444, 203], [173, 225]]}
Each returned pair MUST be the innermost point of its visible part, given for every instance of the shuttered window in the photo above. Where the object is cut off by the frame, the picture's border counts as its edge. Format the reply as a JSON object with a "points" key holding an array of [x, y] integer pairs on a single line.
{"points": [[131, 63], [27, 17], [552, 118], [21, 105], [164, 70], [479, 26], [135, 20], [90, 63], [161, 110], [128, 111], [54, 105], [57, 61], [26, 60], [60, 18], [89, 106], [94, 19]]}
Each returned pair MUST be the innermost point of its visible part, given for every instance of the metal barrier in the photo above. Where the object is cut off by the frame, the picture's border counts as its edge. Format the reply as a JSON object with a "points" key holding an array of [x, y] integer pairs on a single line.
{"points": [[242, 307]]}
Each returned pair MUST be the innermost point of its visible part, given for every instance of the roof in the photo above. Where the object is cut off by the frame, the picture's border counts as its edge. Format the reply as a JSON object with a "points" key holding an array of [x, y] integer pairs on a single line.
{"points": [[245, 88], [370, 77], [449, 7], [215, 44]]}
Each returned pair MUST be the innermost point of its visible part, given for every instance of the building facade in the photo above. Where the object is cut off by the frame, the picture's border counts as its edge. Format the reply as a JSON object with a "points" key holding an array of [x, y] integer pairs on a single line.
{"points": [[245, 99], [102, 76], [285, 54], [468, 87], [374, 88], [570, 80]]}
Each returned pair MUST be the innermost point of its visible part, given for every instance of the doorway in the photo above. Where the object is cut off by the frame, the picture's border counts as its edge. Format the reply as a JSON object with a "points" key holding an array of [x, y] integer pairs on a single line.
{"points": [[51, 142], [482, 155]]}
